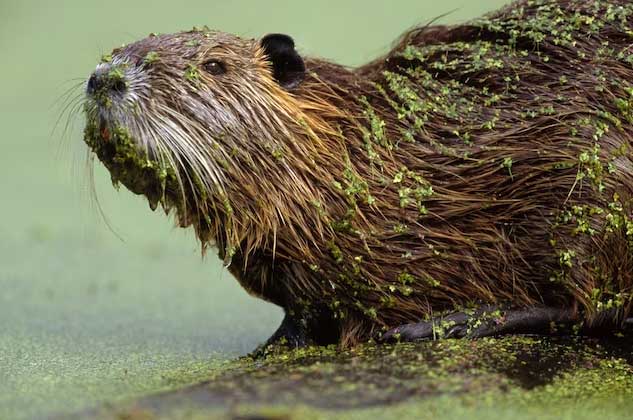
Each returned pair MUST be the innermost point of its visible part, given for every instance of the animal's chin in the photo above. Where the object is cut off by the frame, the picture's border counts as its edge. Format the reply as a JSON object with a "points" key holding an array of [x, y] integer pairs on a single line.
{"points": [[142, 174]]}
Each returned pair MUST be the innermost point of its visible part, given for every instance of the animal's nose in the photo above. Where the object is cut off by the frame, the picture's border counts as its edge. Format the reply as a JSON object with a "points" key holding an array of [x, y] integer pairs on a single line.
{"points": [[106, 79], [94, 83]]}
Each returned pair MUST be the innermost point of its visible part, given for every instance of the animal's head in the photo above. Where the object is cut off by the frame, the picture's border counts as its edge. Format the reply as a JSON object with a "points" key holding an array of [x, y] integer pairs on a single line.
{"points": [[174, 111], [202, 120]]}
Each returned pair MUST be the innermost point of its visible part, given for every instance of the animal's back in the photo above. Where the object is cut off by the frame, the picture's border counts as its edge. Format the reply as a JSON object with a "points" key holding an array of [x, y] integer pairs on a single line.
{"points": [[505, 145]]}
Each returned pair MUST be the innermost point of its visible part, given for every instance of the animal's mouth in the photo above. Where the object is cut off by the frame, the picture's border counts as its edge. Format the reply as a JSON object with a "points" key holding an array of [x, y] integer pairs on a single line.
{"points": [[151, 153], [114, 141], [151, 174], [128, 164]]}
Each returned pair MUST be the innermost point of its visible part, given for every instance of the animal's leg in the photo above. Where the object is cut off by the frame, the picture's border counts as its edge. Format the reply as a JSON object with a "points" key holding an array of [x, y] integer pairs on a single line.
{"points": [[306, 329], [483, 322], [292, 334]]}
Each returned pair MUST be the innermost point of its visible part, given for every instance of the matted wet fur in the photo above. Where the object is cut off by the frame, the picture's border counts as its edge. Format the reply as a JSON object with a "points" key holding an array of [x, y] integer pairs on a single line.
{"points": [[487, 163]]}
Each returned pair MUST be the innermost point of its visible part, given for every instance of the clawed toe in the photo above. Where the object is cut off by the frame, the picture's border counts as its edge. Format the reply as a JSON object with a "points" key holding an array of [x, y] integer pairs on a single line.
{"points": [[289, 335], [483, 322], [453, 326], [409, 332]]}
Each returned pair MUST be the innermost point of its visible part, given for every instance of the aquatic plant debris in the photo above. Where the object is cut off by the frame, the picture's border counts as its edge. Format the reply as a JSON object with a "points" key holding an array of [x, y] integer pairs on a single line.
{"points": [[515, 374]]}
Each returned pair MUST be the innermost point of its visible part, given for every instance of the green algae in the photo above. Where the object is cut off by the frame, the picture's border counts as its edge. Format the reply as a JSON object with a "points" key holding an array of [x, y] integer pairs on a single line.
{"points": [[507, 164], [413, 189], [192, 73], [513, 374], [151, 57], [193, 42], [129, 164]]}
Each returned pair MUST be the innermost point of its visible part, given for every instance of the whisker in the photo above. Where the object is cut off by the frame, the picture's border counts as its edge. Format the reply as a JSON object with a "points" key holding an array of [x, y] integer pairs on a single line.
{"points": [[67, 110], [76, 84], [70, 114], [94, 197], [64, 101]]}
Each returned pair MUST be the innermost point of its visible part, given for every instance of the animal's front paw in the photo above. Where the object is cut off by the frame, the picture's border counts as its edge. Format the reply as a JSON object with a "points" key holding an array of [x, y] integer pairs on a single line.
{"points": [[290, 335]]}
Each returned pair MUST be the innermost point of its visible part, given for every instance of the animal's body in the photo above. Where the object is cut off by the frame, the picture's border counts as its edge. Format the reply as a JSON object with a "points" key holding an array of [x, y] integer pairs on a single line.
{"points": [[484, 167]]}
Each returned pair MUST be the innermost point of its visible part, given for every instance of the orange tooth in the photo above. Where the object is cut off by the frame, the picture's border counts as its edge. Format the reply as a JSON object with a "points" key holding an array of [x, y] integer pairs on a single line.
{"points": [[105, 133]]}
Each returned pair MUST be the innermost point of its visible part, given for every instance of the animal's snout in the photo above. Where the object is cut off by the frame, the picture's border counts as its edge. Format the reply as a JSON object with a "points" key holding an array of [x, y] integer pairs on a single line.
{"points": [[106, 79], [94, 83]]}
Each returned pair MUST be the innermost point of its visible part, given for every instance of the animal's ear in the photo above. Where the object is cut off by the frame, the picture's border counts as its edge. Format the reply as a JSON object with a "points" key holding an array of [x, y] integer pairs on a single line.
{"points": [[287, 65]]}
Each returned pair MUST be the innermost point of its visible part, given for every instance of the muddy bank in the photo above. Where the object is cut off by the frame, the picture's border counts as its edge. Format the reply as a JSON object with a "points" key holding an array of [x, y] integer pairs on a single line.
{"points": [[515, 375]]}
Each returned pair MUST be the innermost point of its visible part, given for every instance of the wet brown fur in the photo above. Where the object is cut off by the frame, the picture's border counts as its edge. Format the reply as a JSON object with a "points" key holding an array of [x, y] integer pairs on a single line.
{"points": [[312, 218]]}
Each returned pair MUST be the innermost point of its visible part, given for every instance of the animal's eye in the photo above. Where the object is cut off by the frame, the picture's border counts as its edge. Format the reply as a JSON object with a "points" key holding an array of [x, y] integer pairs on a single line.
{"points": [[214, 67]]}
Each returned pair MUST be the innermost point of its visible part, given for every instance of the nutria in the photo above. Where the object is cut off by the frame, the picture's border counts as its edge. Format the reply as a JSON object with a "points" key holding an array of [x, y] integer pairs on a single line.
{"points": [[479, 175]]}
